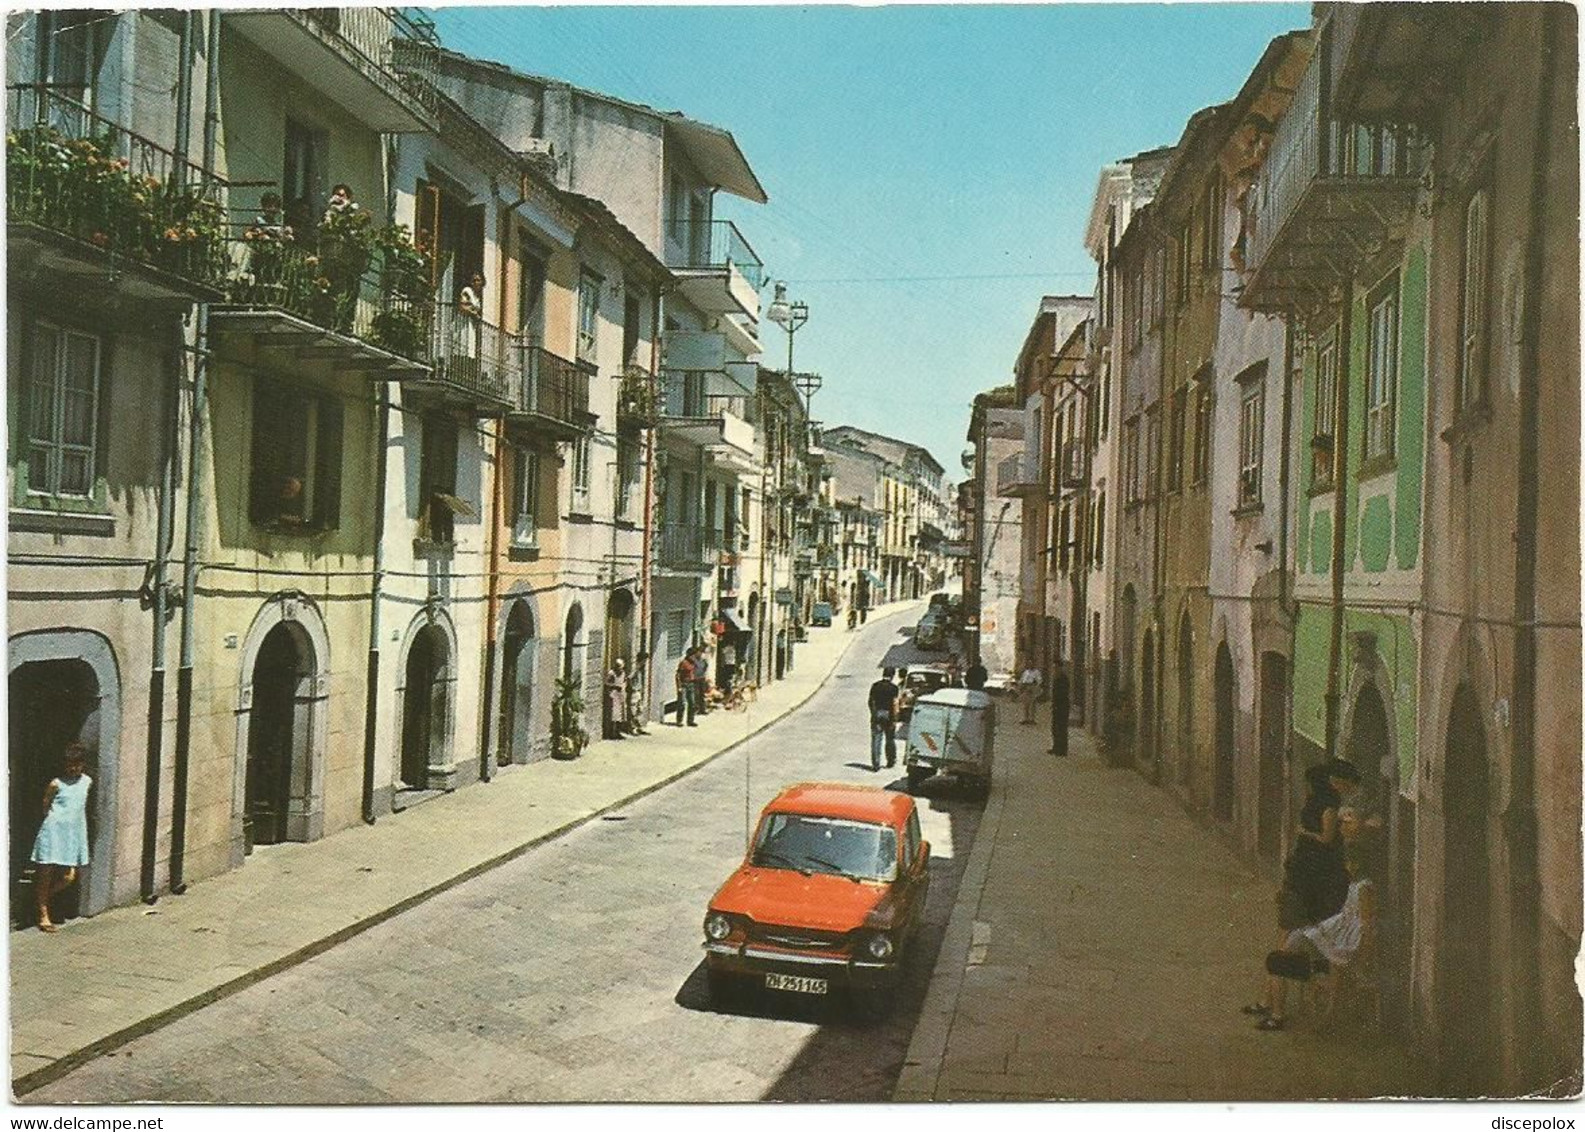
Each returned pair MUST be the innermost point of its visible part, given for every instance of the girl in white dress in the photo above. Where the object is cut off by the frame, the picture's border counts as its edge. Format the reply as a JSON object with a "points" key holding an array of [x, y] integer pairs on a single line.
{"points": [[61, 847]]}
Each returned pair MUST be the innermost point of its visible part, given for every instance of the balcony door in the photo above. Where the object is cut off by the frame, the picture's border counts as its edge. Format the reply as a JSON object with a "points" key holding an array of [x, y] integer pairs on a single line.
{"points": [[455, 230]]}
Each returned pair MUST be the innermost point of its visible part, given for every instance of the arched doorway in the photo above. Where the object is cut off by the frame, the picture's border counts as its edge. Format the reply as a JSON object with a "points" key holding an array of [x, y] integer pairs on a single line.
{"points": [[52, 703], [1222, 780], [1273, 744], [515, 730], [426, 706], [279, 733], [572, 643], [1185, 752], [1147, 699], [1464, 970]]}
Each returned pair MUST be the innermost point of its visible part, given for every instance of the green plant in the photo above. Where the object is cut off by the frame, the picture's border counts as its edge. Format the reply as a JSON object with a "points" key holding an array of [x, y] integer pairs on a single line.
{"points": [[638, 398], [568, 736]]}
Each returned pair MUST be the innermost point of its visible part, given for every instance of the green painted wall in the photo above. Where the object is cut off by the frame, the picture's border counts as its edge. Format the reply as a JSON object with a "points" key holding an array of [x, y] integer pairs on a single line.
{"points": [[1397, 648], [1411, 406]]}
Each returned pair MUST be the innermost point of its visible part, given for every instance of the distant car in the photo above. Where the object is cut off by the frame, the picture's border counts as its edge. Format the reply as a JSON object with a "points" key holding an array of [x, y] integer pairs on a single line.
{"points": [[931, 632], [830, 896], [941, 601], [821, 615], [920, 682]]}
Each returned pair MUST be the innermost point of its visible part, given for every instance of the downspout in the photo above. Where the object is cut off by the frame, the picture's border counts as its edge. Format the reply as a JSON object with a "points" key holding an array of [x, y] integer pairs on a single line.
{"points": [[156, 728], [1284, 469], [184, 673], [492, 604], [648, 546], [1334, 668], [1519, 819], [1158, 553], [371, 709]]}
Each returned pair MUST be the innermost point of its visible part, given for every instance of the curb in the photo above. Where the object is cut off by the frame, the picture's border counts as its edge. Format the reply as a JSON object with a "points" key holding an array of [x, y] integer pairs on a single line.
{"points": [[38, 1078], [927, 1049]]}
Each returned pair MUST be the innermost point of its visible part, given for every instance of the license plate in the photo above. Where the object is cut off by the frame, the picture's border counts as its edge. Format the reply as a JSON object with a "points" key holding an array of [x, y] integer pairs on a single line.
{"points": [[799, 983]]}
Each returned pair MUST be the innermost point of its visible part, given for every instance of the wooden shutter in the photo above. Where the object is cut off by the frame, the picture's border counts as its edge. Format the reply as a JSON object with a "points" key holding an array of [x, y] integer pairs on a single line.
{"points": [[427, 212], [327, 464]]}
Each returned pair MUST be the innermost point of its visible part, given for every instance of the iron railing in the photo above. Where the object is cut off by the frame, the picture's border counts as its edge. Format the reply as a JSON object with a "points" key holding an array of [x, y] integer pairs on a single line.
{"points": [[681, 544], [81, 175], [715, 245], [391, 46], [473, 355], [550, 385]]}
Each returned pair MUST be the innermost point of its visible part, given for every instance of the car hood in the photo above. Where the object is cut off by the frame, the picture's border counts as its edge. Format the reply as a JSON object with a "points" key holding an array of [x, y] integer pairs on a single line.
{"points": [[820, 901]]}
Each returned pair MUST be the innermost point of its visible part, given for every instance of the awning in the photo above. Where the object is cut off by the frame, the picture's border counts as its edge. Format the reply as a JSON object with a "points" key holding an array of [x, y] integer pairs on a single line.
{"points": [[734, 621], [874, 579]]}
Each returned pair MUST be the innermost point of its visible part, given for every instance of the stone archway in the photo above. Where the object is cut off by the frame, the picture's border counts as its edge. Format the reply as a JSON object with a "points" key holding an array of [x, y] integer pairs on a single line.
{"points": [[1224, 778], [1147, 698], [426, 709], [1185, 738], [281, 726], [1464, 963], [515, 725], [64, 686]]}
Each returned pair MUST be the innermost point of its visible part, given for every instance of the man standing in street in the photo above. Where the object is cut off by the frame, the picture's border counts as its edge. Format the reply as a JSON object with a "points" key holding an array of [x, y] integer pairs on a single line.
{"points": [[1059, 711], [976, 676], [1028, 691], [685, 688], [701, 680], [883, 720]]}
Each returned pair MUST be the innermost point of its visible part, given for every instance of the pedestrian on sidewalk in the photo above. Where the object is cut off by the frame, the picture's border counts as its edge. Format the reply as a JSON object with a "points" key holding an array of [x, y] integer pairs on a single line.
{"points": [[853, 617], [685, 687], [61, 847], [1029, 682], [1059, 711], [701, 681], [883, 720], [636, 700], [616, 700]]}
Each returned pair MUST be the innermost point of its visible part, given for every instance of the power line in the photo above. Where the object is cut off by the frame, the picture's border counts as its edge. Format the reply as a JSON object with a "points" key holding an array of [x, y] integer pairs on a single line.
{"points": [[951, 278]]}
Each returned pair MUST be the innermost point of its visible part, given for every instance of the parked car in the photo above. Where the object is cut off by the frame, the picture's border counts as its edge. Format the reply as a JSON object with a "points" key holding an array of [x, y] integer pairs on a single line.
{"points": [[830, 896], [931, 632], [920, 682], [820, 616], [953, 732]]}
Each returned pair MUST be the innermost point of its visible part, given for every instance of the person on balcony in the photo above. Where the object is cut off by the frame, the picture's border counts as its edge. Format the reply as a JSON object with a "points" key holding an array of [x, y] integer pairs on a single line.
{"points": [[341, 203], [470, 317]]}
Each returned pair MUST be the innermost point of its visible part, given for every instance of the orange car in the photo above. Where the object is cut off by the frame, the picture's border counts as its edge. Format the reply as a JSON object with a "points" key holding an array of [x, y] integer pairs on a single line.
{"points": [[831, 894]]}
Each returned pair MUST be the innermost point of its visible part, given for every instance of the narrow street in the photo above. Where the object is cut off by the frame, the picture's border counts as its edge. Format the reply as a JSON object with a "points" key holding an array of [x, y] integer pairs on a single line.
{"points": [[570, 974]]}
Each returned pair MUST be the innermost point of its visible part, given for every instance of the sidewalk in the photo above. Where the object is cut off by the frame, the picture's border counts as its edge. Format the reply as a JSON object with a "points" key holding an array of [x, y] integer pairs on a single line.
{"points": [[1100, 948], [103, 981]]}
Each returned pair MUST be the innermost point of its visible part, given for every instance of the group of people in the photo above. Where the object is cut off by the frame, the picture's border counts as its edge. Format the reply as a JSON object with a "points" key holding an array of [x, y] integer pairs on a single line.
{"points": [[1326, 907], [1030, 681], [624, 707], [693, 686]]}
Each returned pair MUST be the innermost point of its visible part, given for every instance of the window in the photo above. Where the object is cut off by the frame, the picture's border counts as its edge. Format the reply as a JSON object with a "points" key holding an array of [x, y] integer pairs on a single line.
{"points": [[1152, 451], [582, 463], [1475, 302], [1202, 429], [1131, 460], [531, 292], [525, 485], [677, 220], [296, 460], [1106, 396], [1381, 375], [1211, 229], [1065, 538], [63, 412], [626, 476], [1175, 438], [1098, 537], [711, 491], [1181, 263], [1323, 438], [1136, 308], [303, 172], [630, 326], [437, 480], [68, 51], [676, 631], [588, 313], [1251, 418]]}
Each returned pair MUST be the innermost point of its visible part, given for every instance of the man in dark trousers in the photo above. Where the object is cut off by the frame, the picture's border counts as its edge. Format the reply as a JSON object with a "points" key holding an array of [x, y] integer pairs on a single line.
{"points": [[883, 720], [1059, 711], [976, 676]]}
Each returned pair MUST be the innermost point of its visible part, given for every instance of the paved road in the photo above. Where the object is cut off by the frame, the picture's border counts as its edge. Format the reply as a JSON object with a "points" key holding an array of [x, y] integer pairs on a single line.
{"points": [[570, 974]]}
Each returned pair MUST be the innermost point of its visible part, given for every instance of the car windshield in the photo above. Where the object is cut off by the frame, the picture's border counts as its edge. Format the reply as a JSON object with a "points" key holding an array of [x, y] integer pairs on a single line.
{"points": [[810, 844]]}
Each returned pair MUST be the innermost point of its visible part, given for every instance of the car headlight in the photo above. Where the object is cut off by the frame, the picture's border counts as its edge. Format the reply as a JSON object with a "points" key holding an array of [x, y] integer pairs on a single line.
{"points": [[717, 927], [880, 945]]}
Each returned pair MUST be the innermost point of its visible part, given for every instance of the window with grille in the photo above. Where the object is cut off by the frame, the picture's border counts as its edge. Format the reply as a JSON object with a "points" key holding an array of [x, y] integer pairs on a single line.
{"points": [[1381, 374], [63, 412], [1324, 436], [1475, 302], [582, 463], [525, 481], [295, 473], [1251, 415]]}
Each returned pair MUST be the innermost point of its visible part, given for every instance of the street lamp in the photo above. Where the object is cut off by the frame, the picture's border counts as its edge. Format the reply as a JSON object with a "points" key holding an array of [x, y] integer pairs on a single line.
{"points": [[790, 317]]}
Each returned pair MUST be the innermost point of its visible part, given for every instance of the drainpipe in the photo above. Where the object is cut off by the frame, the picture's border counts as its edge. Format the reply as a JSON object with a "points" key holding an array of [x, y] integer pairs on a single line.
{"points": [[492, 603], [1158, 551], [1519, 818], [648, 549], [371, 710], [1334, 668], [184, 673], [156, 727]]}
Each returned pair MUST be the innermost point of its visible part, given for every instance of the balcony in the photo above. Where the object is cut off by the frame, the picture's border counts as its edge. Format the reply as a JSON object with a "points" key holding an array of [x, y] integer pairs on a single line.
{"points": [[717, 271], [1331, 192], [476, 366], [372, 63], [638, 399], [551, 392], [90, 205], [1017, 477], [1399, 63], [717, 422], [1075, 469], [687, 548], [342, 301]]}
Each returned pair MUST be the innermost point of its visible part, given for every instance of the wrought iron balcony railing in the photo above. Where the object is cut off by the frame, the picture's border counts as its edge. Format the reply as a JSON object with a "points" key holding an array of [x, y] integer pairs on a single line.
{"points": [[473, 358], [552, 387], [83, 176]]}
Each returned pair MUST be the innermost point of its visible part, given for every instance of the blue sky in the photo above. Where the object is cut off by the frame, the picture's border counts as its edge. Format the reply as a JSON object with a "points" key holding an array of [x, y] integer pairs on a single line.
{"points": [[930, 169]]}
